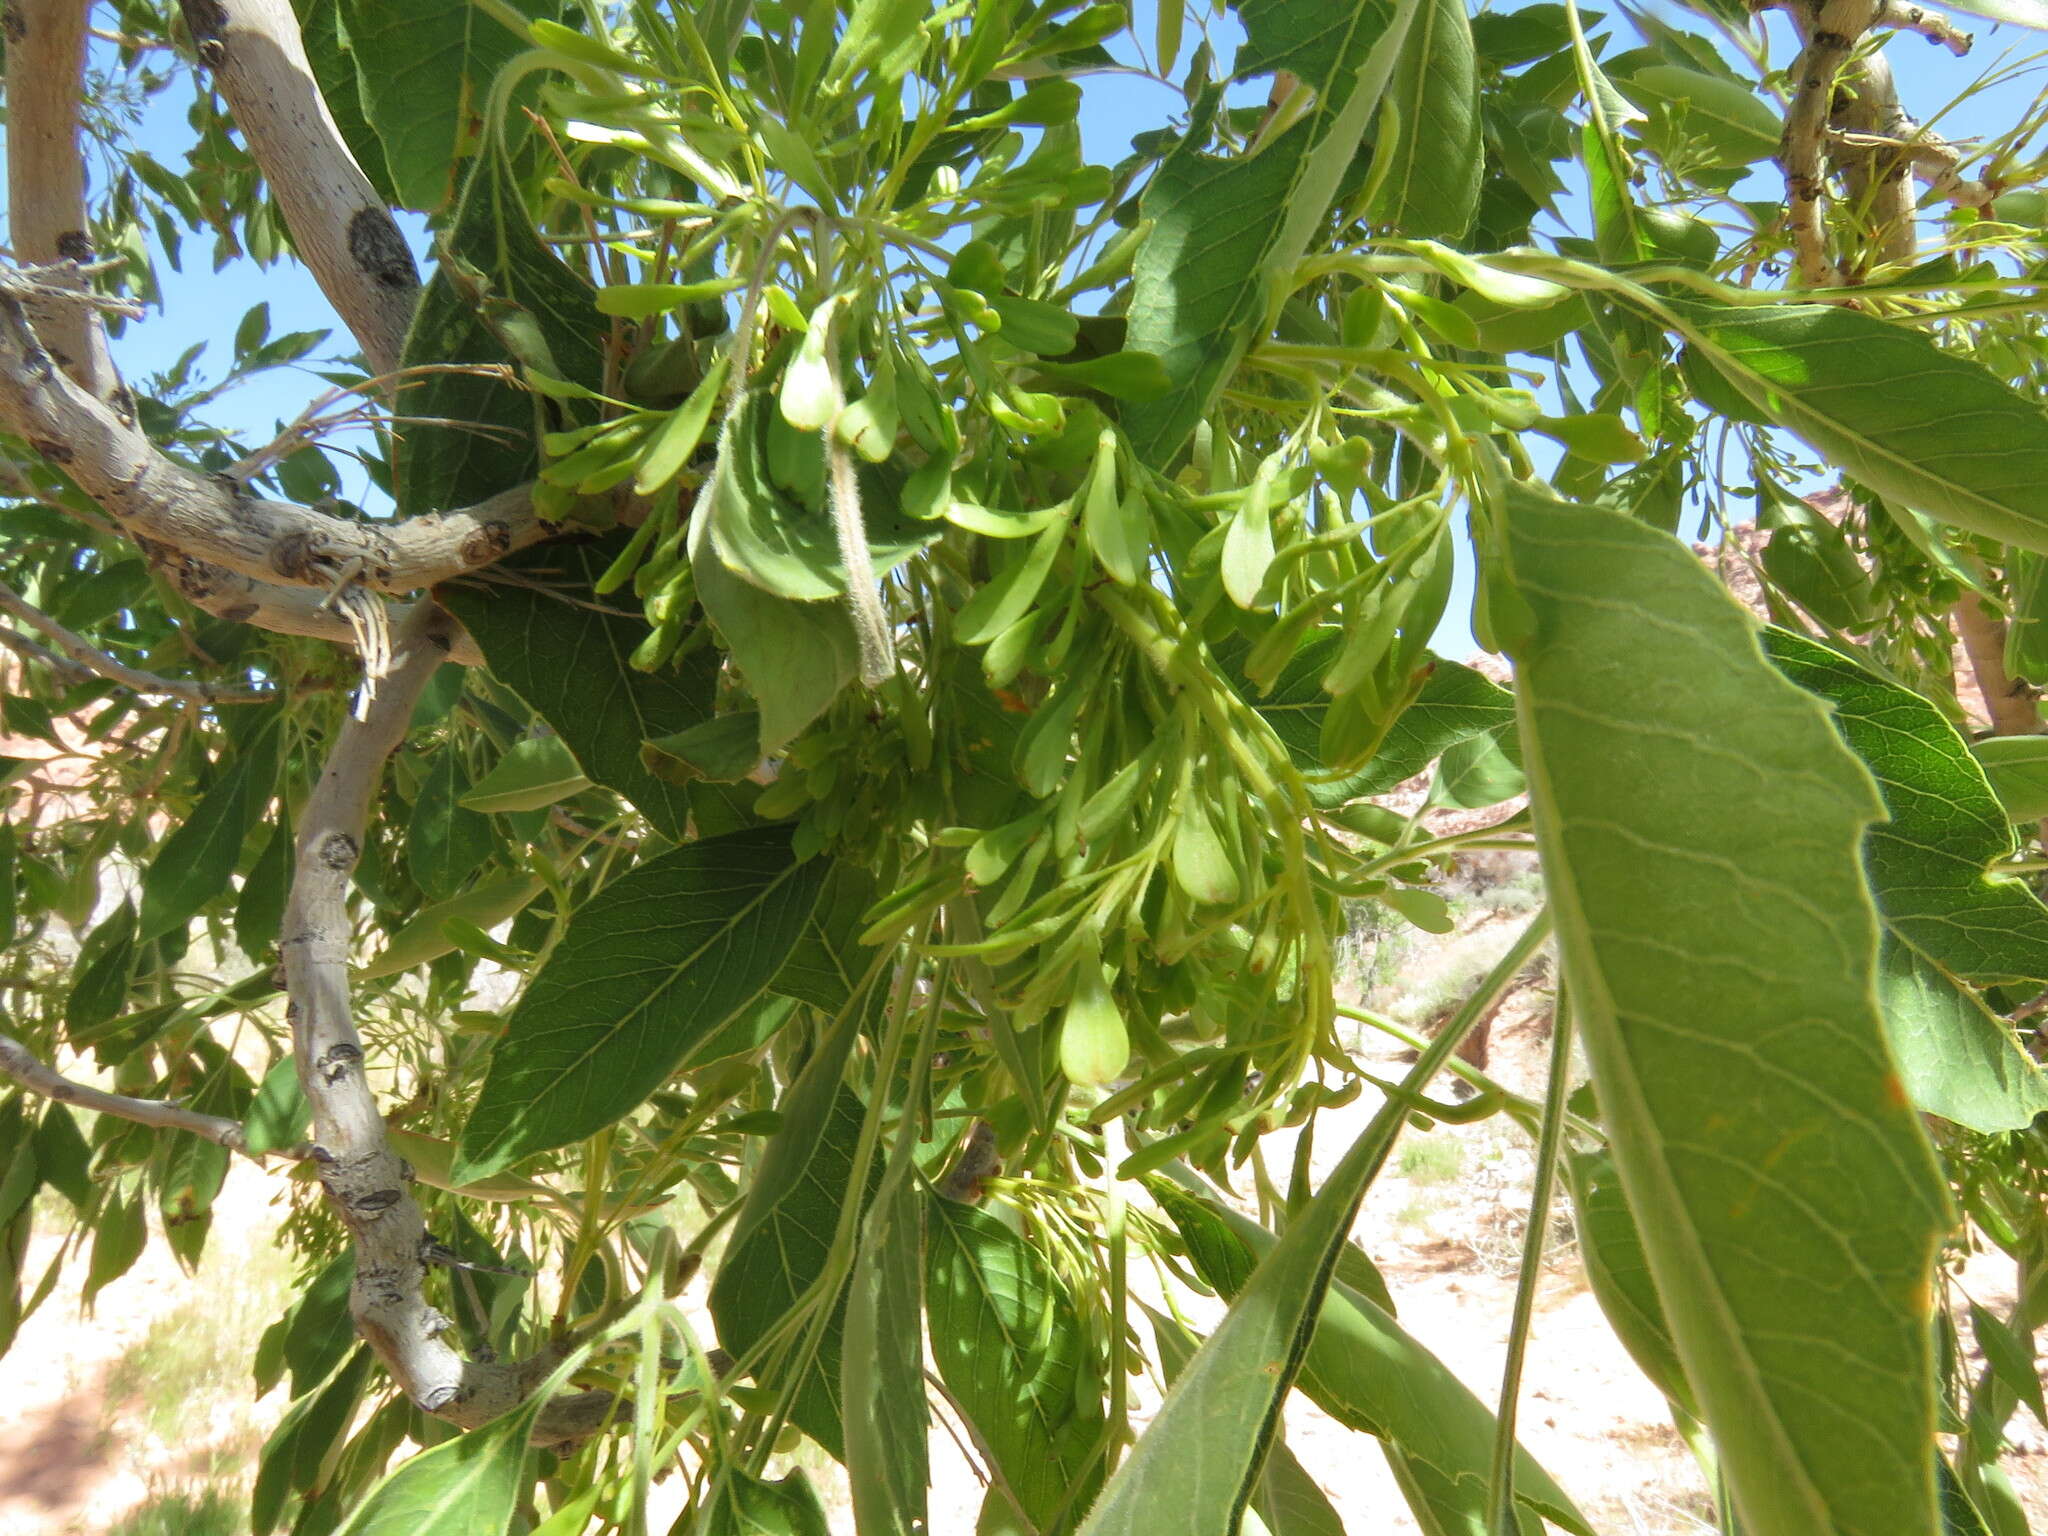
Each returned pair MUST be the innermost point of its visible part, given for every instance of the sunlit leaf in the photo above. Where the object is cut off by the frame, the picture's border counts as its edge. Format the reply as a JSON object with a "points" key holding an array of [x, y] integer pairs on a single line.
{"points": [[1797, 1287]]}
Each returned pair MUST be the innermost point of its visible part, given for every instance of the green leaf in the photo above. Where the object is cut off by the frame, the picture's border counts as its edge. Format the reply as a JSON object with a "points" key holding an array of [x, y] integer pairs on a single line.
{"points": [[318, 1330], [2017, 768], [1226, 233], [782, 1239], [62, 1159], [1288, 1501], [1927, 863], [499, 295], [426, 68], [1619, 1275], [334, 71], [447, 841], [794, 657], [888, 1418], [1369, 1374], [423, 937], [1731, 122], [746, 1505], [1935, 430], [569, 661], [1455, 705], [1432, 161], [2010, 1357], [119, 1236], [259, 908], [103, 972], [2026, 630], [1010, 1348], [651, 965], [280, 1114], [1788, 1203], [470, 1485], [1957, 1059], [196, 863], [782, 539], [535, 772]]}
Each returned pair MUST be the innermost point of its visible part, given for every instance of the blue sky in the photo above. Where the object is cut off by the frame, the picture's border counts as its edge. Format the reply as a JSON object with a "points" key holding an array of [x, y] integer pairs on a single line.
{"points": [[202, 305]]}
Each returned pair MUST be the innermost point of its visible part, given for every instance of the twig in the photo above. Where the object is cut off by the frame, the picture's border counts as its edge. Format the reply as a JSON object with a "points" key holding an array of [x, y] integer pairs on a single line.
{"points": [[367, 1183], [34, 1076], [83, 655]]}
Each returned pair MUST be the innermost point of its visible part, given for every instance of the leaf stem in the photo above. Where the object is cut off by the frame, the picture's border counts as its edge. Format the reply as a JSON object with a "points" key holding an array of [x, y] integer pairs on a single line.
{"points": [[1501, 1519]]}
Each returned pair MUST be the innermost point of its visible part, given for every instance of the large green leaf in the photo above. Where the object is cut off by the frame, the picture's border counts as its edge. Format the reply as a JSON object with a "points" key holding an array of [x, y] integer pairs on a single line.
{"points": [[1369, 1374], [1934, 430], [334, 71], [426, 67], [1956, 1057], [651, 966], [196, 863], [782, 1241], [1435, 157], [793, 656], [769, 519], [1226, 233], [498, 295], [1288, 1501], [468, 1486], [1787, 1199], [566, 653], [1927, 863], [1009, 1346]]}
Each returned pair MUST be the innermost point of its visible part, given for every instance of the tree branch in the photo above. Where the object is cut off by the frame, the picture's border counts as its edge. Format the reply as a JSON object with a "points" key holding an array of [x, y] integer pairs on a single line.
{"points": [[31, 1074], [2009, 702], [366, 1182], [341, 227], [153, 498], [46, 177], [97, 663], [1883, 143]]}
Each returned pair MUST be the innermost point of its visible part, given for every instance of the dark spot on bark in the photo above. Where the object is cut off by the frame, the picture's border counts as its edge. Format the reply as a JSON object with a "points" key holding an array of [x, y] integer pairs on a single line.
{"points": [[14, 24], [320, 1154], [296, 555], [1830, 40], [379, 1200], [488, 542], [206, 20], [52, 450], [338, 851], [240, 613], [441, 642], [123, 402], [407, 1172], [379, 251], [74, 245]]}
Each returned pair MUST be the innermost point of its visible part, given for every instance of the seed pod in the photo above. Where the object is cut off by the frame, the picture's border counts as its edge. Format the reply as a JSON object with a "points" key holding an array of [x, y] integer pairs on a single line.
{"points": [[1094, 1044]]}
